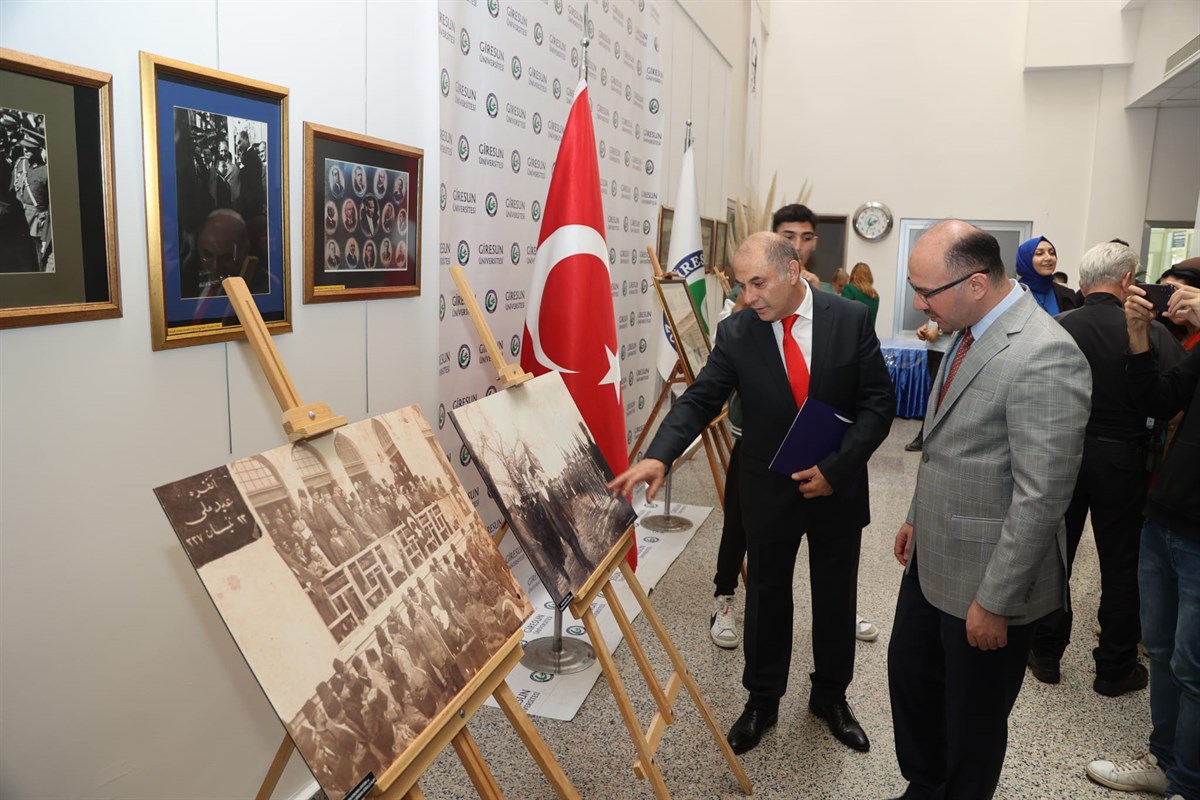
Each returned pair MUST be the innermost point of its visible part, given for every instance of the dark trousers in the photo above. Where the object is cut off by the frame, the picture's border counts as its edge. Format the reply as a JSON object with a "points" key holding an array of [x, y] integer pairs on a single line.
{"points": [[1112, 484], [833, 549], [950, 701], [732, 550]]}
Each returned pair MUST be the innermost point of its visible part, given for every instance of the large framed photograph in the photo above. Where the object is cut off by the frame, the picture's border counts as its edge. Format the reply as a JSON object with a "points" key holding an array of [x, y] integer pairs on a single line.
{"points": [[708, 234], [362, 216], [548, 479], [58, 213], [721, 246], [215, 147], [686, 332], [359, 584]]}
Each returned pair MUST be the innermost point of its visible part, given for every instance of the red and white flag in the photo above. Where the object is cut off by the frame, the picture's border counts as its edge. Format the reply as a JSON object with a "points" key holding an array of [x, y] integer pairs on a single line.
{"points": [[570, 326]]}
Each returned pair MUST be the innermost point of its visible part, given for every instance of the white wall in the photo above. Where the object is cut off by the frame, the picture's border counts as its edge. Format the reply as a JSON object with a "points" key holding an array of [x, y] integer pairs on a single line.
{"points": [[1175, 169], [930, 109], [117, 678]]}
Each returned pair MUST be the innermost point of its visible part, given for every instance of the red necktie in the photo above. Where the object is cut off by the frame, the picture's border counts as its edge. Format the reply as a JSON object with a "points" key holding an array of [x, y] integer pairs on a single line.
{"points": [[964, 347], [793, 358]]}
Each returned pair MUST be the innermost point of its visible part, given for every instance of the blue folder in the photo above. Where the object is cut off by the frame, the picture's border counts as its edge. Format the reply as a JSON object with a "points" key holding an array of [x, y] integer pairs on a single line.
{"points": [[815, 433]]}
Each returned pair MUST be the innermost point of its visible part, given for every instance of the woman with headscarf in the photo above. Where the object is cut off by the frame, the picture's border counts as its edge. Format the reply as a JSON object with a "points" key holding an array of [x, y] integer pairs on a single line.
{"points": [[1036, 260]]}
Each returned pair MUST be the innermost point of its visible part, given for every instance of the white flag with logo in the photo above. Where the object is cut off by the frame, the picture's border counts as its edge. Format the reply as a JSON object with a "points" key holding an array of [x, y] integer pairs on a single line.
{"points": [[687, 256]]}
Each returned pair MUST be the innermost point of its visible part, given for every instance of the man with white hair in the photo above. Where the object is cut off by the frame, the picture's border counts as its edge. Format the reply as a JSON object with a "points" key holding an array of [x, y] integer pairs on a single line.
{"points": [[1112, 475]]}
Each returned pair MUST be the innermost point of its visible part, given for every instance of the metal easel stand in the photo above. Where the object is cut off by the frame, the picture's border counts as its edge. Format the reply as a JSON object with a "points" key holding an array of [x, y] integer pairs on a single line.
{"points": [[666, 522], [556, 655]]}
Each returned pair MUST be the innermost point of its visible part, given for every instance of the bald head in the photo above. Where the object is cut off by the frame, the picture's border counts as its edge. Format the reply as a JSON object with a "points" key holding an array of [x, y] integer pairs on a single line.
{"points": [[767, 248], [766, 268], [963, 249]]}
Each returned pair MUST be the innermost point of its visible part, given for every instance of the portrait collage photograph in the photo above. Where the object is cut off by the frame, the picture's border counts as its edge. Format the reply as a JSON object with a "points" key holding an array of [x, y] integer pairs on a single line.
{"points": [[356, 578], [365, 220]]}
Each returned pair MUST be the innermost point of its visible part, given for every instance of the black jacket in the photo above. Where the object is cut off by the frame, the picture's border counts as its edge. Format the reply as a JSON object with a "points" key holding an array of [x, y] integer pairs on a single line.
{"points": [[1174, 499]]}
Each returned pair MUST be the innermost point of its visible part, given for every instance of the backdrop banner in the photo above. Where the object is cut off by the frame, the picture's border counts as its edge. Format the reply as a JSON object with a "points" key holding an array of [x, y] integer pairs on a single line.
{"points": [[509, 71]]}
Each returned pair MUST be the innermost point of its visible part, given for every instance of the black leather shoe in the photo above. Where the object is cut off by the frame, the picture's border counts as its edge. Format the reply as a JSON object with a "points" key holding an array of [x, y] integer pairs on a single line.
{"points": [[914, 446], [1135, 680], [842, 724], [1044, 668], [749, 728]]}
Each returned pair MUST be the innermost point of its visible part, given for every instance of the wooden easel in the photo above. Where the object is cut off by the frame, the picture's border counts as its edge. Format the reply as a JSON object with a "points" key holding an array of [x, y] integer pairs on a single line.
{"points": [[646, 744], [449, 727], [718, 445]]}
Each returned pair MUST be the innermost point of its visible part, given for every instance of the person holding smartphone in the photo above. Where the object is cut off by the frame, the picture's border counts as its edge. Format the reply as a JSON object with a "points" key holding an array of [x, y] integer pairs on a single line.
{"points": [[1185, 273]]}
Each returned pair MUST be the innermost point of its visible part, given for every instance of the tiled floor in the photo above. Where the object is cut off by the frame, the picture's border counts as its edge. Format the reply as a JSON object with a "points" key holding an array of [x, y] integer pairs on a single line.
{"points": [[1054, 730]]}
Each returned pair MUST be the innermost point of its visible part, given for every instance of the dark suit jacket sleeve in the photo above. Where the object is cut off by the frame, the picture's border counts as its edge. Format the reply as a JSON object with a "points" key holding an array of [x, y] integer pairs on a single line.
{"points": [[698, 405], [875, 407]]}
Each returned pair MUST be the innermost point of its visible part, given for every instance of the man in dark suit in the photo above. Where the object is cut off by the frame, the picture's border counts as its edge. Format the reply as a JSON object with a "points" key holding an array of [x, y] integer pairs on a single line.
{"points": [[790, 343]]}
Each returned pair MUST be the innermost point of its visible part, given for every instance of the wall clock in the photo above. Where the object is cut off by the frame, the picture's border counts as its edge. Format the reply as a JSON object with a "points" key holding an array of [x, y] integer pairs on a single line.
{"points": [[873, 221]]}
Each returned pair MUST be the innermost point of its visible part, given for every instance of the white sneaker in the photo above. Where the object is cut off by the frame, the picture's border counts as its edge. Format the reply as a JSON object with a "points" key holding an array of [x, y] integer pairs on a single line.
{"points": [[1142, 774], [723, 632], [865, 631]]}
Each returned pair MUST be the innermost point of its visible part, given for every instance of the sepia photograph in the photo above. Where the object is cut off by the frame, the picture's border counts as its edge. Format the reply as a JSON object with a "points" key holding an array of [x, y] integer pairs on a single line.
{"points": [[548, 479], [366, 221], [358, 582], [686, 334]]}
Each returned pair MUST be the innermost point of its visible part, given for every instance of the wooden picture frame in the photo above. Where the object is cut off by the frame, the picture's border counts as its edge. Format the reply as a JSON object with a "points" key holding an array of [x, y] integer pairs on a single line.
{"points": [[58, 211], [721, 245], [216, 153], [676, 300], [381, 221], [708, 238], [666, 215]]}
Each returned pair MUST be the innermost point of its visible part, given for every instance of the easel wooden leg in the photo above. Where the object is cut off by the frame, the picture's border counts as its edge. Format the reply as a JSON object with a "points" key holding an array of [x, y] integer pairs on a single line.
{"points": [[639, 655], [534, 743], [478, 770], [622, 697], [276, 769], [735, 766], [414, 793]]}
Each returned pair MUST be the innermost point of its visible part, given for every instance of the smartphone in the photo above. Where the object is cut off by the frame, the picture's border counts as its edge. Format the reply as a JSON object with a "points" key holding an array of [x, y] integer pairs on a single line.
{"points": [[1159, 294]]}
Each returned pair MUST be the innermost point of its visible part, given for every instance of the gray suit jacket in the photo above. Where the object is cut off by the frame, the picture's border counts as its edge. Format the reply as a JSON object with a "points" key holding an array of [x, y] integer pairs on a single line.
{"points": [[998, 468]]}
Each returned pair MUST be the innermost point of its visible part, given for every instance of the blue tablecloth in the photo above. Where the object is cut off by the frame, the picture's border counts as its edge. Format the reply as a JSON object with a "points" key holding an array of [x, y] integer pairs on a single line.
{"points": [[910, 378]]}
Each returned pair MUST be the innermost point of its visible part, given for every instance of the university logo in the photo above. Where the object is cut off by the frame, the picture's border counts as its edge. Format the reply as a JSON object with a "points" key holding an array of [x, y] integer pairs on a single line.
{"points": [[442, 197], [494, 8], [464, 41], [627, 158], [577, 630], [441, 415], [537, 122], [617, 50], [574, 57], [591, 29], [442, 307], [649, 167], [645, 226], [641, 401], [604, 76], [653, 105], [537, 211], [628, 441], [603, 149], [613, 186], [612, 255], [629, 25], [491, 204], [516, 160], [491, 390], [641, 5], [624, 291], [445, 83], [637, 134], [514, 253], [616, 120], [464, 456], [537, 33], [464, 357], [558, 7], [631, 377], [641, 345], [639, 67], [543, 677], [490, 301], [493, 105], [516, 67], [464, 148], [627, 224], [645, 286], [628, 92], [656, 44], [557, 89], [635, 194], [464, 252]]}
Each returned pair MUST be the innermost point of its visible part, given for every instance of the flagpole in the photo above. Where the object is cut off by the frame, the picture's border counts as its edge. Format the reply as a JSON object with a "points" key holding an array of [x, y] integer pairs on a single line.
{"points": [[584, 42]]}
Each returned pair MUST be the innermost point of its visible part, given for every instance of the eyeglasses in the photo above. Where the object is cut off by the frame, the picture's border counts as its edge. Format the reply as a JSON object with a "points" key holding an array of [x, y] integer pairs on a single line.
{"points": [[928, 294]]}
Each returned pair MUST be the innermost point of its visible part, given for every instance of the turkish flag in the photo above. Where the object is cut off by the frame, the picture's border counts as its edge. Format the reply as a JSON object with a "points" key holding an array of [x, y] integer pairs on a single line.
{"points": [[570, 326]]}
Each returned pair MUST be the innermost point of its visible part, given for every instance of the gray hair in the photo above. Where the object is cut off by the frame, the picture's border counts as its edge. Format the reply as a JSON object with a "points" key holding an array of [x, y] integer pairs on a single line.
{"points": [[1105, 265], [772, 248]]}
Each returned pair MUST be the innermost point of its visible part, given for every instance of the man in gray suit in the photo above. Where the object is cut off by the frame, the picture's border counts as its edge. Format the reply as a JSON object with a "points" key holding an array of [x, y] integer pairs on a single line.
{"points": [[984, 543]]}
